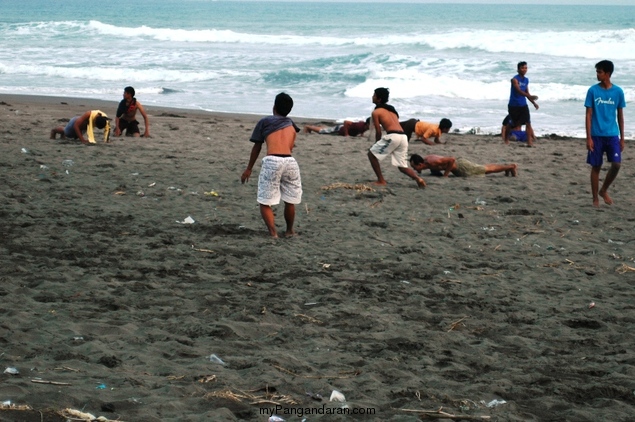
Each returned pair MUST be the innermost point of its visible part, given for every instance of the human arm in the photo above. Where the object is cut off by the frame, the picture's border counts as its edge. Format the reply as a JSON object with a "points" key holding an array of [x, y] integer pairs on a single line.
{"points": [[620, 124], [425, 140], [346, 126], [255, 152], [117, 130], [81, 121], [377, 125], [146, 121], [447, 165], [525, 93], [589, 140]]}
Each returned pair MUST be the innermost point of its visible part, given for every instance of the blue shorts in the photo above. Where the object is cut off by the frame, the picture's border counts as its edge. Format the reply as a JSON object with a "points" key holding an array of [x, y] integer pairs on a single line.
{"points": [[602, 144], [69, 130]]}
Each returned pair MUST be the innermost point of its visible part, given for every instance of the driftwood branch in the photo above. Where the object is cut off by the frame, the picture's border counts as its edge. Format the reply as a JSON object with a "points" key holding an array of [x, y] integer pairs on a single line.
{"points": [[439, 414], [50, 382]]}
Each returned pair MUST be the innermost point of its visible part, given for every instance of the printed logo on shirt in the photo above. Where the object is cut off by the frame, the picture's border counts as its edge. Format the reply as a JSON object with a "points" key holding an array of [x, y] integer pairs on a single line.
{"points": [[599, 101]]}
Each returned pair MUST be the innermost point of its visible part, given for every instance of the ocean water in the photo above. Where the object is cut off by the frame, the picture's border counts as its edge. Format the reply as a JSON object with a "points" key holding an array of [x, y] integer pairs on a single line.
{"points": [[438, 60]]}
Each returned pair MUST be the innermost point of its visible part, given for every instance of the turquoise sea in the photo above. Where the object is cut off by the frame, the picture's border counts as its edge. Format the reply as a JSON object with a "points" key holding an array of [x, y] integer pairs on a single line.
{"points": [[439, 60]]}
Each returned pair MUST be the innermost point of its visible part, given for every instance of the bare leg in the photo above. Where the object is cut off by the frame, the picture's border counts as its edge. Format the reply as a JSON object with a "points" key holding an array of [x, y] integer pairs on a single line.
{"points": [[530, 135], [374, 162], [413, 175], [58, 130], [595, 182], [610, 177], [499, 168], [289, 217], [269, 218], [504, 131], [311, 128]]}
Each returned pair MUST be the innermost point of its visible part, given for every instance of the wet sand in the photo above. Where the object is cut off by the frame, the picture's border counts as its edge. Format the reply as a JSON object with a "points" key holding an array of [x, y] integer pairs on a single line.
{"points": [[404, 300]]}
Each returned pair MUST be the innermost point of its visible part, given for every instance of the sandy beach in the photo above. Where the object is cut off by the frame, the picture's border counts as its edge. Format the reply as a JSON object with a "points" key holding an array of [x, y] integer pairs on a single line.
{"points": [[488, 297]]}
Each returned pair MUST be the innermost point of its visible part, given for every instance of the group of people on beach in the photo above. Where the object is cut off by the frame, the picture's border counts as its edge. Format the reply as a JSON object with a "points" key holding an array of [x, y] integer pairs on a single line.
{"points": [[125, 120], [280, 179], [280, 174]]}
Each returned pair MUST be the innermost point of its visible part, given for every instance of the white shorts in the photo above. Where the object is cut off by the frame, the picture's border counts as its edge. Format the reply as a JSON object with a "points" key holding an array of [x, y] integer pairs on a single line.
{"points": [[395, 145], [279, 178]]}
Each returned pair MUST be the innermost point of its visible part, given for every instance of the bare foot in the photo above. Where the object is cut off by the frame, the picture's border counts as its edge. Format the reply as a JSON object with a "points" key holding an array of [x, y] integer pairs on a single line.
{"points": [[290, 233], [596, 202], [380, 183], [607, 198], [514, 170]]}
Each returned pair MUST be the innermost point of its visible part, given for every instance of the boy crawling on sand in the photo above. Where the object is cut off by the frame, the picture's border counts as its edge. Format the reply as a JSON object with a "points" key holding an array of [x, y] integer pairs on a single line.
{"points": [[84, 124], [279, 173]]}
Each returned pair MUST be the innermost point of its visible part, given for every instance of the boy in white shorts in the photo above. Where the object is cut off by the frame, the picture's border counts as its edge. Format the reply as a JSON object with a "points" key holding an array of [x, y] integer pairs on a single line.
{"points": [[279, 174], [393, 144]]}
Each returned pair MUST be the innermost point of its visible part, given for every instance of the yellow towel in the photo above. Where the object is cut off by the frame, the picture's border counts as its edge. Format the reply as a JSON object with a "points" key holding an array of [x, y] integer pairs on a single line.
{"points": [[91, 122]]}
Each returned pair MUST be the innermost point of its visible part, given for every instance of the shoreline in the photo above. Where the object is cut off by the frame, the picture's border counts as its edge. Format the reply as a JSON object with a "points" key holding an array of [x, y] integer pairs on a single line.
{"points": [[91, 103]]}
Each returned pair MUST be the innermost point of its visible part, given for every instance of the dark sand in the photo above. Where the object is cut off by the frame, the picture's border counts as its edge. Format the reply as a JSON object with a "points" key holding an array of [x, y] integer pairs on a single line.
{"points": [[399, 298]]}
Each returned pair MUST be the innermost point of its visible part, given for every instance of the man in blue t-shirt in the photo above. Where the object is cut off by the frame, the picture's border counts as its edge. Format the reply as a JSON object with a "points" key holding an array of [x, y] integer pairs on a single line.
{"points": [[604, 129], [517, 106]]}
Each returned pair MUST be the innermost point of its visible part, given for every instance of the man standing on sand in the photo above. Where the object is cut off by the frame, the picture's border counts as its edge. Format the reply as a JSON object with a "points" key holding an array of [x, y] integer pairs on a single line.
{"points": [[393, 144], [279, 172], [125, 119], [604, 129], [517, 107], [460, 167], [84, 124]]}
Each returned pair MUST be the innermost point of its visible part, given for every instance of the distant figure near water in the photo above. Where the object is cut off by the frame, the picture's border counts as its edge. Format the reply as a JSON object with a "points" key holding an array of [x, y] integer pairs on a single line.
{"points": [[348, 128], [84, 124], [125, 119], [425, 131], [517, 107], [604, 129]]}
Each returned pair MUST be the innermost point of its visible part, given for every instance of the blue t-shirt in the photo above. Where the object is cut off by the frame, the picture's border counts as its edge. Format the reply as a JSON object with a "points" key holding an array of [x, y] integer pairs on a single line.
{"points": [[515, 99], [604, 103], [267, 125]]}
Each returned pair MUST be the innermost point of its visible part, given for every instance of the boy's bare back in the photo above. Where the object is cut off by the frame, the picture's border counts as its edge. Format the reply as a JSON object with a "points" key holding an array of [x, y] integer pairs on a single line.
{"points": [[388, 120], [281, 142]]}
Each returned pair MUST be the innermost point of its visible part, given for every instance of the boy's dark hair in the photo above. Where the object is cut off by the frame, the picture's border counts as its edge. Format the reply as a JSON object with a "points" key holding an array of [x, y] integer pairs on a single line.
{"points": [[606, 66], [100, 121], [382, 94], [129, 90], [445, 124], [520, 64], [416, 159], [283, 104]]}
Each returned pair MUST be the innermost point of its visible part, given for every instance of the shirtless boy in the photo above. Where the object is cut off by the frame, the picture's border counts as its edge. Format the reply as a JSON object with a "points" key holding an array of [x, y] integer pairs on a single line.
{"points": [[125, 119], [393, 144], [84, 124], [604, 129], [458, 166], [279, 174]]}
